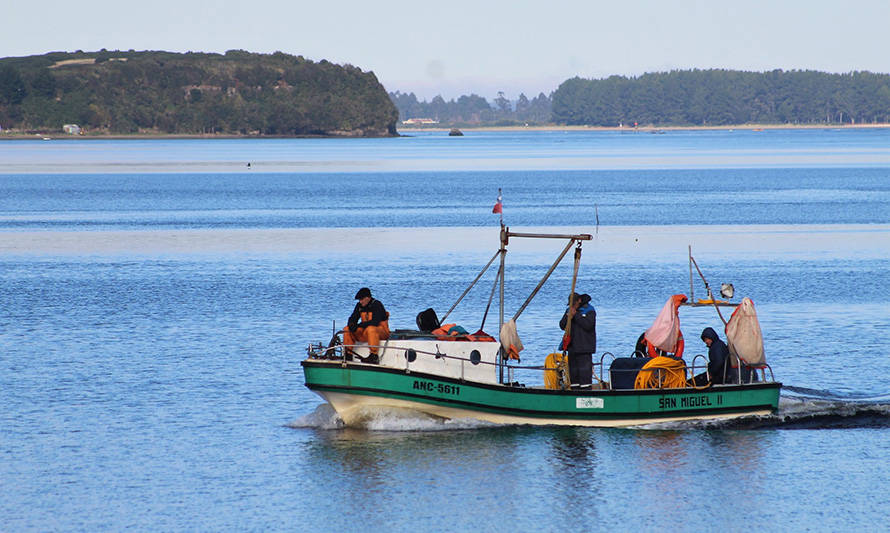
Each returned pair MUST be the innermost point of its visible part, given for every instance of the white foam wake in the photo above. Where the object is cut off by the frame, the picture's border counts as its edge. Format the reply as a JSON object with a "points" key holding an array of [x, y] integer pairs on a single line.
{"points": [[324, 417], [385, 419]]}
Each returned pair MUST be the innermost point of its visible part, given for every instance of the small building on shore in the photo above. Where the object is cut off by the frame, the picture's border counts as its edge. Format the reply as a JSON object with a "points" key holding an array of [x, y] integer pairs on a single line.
{"points": [[72, 129], [419, 121]]}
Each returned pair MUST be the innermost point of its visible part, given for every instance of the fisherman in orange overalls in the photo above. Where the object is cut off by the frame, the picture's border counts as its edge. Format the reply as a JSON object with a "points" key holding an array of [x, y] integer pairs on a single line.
{"points": [[369, 323]]}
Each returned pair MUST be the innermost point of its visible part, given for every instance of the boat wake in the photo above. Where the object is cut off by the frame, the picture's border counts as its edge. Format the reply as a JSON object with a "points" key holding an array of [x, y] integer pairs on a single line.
{"points": [[324, 417], [385, 419], [804, 408]]}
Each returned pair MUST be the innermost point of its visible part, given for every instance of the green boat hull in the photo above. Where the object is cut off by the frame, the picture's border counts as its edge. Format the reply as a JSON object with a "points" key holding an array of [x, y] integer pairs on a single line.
{"points": [[355, 389]]}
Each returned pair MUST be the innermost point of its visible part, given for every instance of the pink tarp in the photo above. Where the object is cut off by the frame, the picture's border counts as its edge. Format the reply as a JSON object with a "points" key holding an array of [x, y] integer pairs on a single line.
{"points": [[664, 333]]}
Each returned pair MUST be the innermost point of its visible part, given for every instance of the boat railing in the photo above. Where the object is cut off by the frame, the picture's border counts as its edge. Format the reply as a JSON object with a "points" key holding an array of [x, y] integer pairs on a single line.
{"points": [[694, 373], [602, 366], [752, 373], [410, 354], [624, 378], [763, 370]]}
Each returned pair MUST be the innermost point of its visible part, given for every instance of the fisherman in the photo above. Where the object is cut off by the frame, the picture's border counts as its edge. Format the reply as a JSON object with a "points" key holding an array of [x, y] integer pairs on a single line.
{"points": [[369, 323], [718, 360], [582, 338], [641, 348]]}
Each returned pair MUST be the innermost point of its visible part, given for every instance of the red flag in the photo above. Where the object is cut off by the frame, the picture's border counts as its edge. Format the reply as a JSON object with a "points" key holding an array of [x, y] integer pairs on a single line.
{"points": [[499, 205]]}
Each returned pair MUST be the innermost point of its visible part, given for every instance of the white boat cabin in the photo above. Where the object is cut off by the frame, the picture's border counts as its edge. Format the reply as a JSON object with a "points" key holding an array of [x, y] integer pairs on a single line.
{"points": [[460, 359]]}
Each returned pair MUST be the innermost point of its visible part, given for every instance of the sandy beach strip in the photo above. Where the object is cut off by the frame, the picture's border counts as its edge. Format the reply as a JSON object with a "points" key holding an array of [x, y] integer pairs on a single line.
{"points": [[608, 243], [9, 135]]}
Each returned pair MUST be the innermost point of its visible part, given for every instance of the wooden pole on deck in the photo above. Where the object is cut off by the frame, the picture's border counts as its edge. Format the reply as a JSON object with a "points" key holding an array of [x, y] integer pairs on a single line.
{"points": [[567, 337]]}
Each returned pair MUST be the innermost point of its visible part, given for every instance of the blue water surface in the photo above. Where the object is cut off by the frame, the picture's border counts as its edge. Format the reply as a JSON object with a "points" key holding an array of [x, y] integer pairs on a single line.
{"points": [[445, 198], [158, 297]]}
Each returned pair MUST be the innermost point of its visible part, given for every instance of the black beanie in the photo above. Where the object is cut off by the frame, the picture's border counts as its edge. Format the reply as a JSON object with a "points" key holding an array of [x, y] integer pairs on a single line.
{"points": [[362, 293]]}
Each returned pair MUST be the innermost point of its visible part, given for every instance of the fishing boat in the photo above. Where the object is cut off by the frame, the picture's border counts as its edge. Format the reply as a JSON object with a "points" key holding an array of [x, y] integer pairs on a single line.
{"points": [[456, 375]]}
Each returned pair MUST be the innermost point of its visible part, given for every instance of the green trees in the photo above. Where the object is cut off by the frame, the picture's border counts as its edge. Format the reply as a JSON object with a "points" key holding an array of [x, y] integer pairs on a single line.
{"points": [[725, 97], [241, 92], [235, 93], [678, 98], [12, 87], [475, 110]]}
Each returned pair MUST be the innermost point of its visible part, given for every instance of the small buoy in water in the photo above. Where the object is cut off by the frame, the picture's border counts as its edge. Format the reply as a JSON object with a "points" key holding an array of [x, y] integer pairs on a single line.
{"points": [[455, 133], [248, 165]]}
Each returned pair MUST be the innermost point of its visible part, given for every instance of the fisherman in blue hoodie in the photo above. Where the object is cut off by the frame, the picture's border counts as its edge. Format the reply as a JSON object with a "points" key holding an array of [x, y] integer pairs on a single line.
{"points": [[718, 360], [582, 342]]}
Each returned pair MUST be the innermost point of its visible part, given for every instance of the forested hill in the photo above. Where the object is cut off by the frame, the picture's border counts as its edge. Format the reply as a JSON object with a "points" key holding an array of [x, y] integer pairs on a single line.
{"points": [[193, 93], [724, 97], [474, 110]]}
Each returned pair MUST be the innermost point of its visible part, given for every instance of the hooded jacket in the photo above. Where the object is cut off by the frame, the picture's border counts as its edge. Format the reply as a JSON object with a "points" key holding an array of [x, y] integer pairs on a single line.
{"points": [[718, 355], [370, 315]]}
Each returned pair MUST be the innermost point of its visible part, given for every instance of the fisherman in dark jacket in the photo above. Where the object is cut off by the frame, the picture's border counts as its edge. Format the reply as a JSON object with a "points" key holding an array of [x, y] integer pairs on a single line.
{"points": [[369, 322], [582, 341], [718, 360]]}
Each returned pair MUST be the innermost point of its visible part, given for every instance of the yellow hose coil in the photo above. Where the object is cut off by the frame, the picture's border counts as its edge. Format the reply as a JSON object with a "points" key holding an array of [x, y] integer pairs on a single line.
{"points": [[673, 374], [554, 366]]}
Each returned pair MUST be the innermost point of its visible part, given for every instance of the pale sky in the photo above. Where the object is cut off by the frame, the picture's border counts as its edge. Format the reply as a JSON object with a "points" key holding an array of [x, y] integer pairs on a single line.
{"points": [[456, 47]]}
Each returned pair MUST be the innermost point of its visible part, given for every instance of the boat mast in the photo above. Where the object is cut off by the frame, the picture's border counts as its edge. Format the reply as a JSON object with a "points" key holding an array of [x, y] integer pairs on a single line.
{"points": [[505, 239], [505, 235]]}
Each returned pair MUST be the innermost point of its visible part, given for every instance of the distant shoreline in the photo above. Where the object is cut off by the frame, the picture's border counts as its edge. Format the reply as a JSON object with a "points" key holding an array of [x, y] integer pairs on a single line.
{"points": [[18, 136], [654, 128]]}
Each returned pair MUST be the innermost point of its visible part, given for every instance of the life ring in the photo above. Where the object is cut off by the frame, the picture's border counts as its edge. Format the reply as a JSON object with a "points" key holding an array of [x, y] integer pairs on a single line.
{"points": [[652, 351]]}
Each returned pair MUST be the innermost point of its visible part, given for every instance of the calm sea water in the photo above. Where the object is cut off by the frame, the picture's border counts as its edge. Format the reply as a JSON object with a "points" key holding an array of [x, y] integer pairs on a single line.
{"points": [[157, 297]]}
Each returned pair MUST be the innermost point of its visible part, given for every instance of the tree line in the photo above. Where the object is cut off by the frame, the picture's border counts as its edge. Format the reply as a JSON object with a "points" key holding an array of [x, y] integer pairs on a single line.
{"points": [[246, 93], [677, 98], [474, 110], [193, 93], [725, 97]]}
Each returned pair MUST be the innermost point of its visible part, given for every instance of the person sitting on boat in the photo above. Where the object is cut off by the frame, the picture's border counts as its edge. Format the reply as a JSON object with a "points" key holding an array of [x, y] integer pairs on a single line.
{"points": [[582, 338], [641, 348], [369, 322], [718, 357]]}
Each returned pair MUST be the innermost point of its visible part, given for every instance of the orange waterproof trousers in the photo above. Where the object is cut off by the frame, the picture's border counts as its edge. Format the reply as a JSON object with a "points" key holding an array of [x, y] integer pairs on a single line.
{"points": [[371, 334]]}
